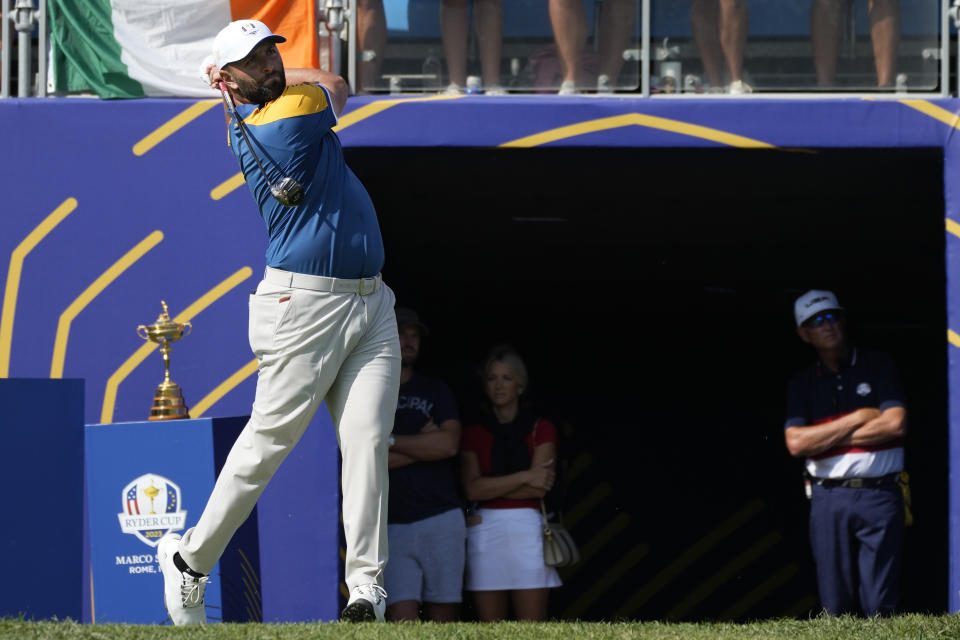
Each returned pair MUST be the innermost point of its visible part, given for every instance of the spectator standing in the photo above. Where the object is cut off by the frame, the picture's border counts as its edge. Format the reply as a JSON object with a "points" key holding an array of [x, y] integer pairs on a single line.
{"points": [[826, 28], [846, 415], [426, 527], [507, 465], [454, 23], [371, 42], [569, 21], [720, 31]]}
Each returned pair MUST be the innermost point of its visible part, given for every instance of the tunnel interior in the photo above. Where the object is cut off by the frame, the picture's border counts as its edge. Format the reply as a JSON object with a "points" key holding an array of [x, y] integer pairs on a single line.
{"points": [[650, 292]]}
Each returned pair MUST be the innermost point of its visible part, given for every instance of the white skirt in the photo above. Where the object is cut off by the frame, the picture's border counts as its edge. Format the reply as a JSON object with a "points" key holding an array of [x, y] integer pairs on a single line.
{"points": [[505, 551]]}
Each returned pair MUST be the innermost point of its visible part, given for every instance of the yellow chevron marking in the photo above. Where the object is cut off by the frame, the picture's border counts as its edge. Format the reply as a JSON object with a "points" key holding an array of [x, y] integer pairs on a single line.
{"points": [[373, 108], [91, 292], [93, 611], [653, 122], [580, 464], [17, 257], [598, 542], [131, 363], [937, 113], [606, 581], [953, 337], [173, 125], [227, 186], [224, 388], [717, 580], [687, 558], [587, 504], [760, 592], [953, 227], [345, 121], [803, 607]]}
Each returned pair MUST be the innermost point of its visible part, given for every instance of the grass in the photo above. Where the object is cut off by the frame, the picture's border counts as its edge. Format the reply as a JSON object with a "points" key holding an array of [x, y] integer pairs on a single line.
{"points": [[907, 627]]}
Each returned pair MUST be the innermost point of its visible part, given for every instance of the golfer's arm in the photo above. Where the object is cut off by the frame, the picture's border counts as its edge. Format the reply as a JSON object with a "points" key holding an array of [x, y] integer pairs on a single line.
{"points": [[334, 83]]}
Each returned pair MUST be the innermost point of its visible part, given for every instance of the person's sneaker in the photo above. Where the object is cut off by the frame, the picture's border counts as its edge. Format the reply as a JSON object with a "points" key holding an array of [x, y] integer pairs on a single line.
{"points": [[367, 604], [739, 87], [567, 88], [453, 89], [495, 90], [182, 592], [604, 84]]}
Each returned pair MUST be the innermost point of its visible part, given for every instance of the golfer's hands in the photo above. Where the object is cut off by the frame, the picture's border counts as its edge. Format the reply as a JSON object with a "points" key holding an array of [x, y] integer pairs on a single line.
{"points": [[209, 73], [542, 476], [429, 427]]}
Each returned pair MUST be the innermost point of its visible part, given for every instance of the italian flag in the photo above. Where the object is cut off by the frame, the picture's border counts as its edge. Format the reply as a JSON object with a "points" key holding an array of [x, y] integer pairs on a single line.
{"points": [[138, 48]]}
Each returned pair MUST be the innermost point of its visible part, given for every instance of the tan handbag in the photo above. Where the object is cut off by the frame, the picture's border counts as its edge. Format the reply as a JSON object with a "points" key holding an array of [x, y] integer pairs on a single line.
{"points": [[559, 549]]}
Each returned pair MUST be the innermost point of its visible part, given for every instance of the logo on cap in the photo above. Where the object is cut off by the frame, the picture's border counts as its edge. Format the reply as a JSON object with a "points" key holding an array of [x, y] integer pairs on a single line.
{"points": [[250, 28]]}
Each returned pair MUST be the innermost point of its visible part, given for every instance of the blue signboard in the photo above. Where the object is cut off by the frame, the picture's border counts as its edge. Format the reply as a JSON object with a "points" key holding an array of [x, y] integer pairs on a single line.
{"points": [[41, 469], [144, 479]]}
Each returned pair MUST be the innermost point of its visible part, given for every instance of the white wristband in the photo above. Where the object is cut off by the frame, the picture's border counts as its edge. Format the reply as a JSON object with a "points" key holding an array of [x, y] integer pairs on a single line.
{"points": [[391, 440]]}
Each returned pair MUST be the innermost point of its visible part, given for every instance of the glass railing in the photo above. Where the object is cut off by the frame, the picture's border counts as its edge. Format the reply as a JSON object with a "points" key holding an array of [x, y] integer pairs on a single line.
{"points": [[696, 46], [507, 46], [692, 47], [796, 45]]}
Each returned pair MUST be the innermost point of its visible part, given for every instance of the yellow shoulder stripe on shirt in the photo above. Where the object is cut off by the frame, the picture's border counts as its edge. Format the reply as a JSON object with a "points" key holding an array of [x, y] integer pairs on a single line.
{"points": [[300, 100]]}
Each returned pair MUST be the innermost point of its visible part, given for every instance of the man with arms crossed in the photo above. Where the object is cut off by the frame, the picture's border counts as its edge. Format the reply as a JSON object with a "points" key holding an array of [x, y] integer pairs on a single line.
{"points": [[427, 530], [846, 416], [321, 323]]}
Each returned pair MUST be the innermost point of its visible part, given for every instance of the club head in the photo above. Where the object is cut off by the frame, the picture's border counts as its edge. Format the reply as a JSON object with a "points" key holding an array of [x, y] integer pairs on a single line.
{"points": [[287, 192]]}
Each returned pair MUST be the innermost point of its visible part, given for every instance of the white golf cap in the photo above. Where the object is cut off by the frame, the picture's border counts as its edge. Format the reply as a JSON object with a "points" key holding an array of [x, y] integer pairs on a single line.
{"points": [[236, 40], [813, 302]]}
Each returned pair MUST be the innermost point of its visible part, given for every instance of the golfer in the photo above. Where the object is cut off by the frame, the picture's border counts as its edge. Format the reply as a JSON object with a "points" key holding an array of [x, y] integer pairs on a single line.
{"points": [[322, 323]]}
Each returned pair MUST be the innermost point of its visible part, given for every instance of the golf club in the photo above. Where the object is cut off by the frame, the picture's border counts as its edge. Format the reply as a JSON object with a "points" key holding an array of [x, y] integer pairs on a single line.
{"points": [[286, 191]]}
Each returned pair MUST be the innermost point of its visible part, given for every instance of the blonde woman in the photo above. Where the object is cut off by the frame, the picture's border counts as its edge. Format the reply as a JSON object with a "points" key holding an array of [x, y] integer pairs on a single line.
{"points": [[507, 464]]}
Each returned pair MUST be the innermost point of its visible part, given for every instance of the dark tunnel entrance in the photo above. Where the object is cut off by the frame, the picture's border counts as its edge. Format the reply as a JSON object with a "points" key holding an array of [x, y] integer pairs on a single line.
{"points": [[651, 291]]}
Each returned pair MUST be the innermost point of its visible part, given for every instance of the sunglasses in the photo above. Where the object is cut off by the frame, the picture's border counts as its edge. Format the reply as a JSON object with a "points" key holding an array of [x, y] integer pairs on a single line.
{"points": [[818, 320]]}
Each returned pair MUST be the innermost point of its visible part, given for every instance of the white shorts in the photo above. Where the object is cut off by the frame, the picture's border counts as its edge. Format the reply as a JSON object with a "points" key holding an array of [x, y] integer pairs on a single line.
{"points": [[505, 551]]}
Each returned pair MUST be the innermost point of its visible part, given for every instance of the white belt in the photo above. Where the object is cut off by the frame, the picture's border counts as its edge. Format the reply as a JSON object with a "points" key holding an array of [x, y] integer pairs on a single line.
{"points": [[362, 286]]}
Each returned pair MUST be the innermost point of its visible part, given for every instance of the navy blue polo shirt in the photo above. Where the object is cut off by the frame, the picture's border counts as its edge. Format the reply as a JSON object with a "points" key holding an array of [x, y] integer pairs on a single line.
{"points": [[817, 395], [429, 487]]}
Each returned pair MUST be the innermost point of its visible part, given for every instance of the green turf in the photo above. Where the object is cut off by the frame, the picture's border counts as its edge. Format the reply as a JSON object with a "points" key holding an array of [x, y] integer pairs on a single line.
{"points": [[907, 627]]}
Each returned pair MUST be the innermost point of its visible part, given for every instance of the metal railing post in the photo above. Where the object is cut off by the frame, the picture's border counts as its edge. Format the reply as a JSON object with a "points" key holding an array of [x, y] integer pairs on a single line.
{"points": [[333, 16], [352, 45], [42, 37], [6, 19], [25, 19], [645, 48], [948, 13]]}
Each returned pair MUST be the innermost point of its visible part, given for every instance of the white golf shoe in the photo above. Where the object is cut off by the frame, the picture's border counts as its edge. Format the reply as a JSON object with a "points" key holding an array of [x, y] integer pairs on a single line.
{"points": [[367, 603], [182, 592]]}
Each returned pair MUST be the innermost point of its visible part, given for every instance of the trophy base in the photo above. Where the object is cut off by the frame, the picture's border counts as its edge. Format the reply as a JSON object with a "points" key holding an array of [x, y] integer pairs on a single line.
{"points": [[168, 403]]}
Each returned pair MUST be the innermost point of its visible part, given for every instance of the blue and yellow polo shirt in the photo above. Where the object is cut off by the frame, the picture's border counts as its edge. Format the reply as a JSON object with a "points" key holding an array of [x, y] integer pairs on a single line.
{"points": [[334, 232]]}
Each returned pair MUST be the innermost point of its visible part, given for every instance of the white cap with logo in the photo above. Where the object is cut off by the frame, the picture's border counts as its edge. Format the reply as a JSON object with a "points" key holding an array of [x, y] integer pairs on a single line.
{"points": [[813, 302], [236, 40]]}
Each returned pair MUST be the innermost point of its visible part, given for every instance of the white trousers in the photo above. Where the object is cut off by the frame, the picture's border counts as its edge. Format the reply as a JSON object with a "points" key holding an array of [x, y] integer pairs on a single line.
{"points": [[314, 346]]}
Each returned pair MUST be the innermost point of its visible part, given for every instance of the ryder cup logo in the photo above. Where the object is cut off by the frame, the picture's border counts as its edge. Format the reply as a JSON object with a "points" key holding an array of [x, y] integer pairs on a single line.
{"points": [[151, 508]]}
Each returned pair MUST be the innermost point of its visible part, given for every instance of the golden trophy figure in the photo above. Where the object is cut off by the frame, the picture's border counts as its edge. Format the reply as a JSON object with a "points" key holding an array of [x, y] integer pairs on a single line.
{"points": [[151, 492], [168, 401]]}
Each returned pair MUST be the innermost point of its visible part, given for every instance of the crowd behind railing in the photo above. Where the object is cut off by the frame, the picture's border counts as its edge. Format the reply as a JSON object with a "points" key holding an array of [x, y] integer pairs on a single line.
{"points": [[711, 47]]}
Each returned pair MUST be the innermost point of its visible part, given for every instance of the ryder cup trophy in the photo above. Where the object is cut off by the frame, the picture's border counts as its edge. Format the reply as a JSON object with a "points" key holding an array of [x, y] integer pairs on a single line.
{"points": [[168, 401]]}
